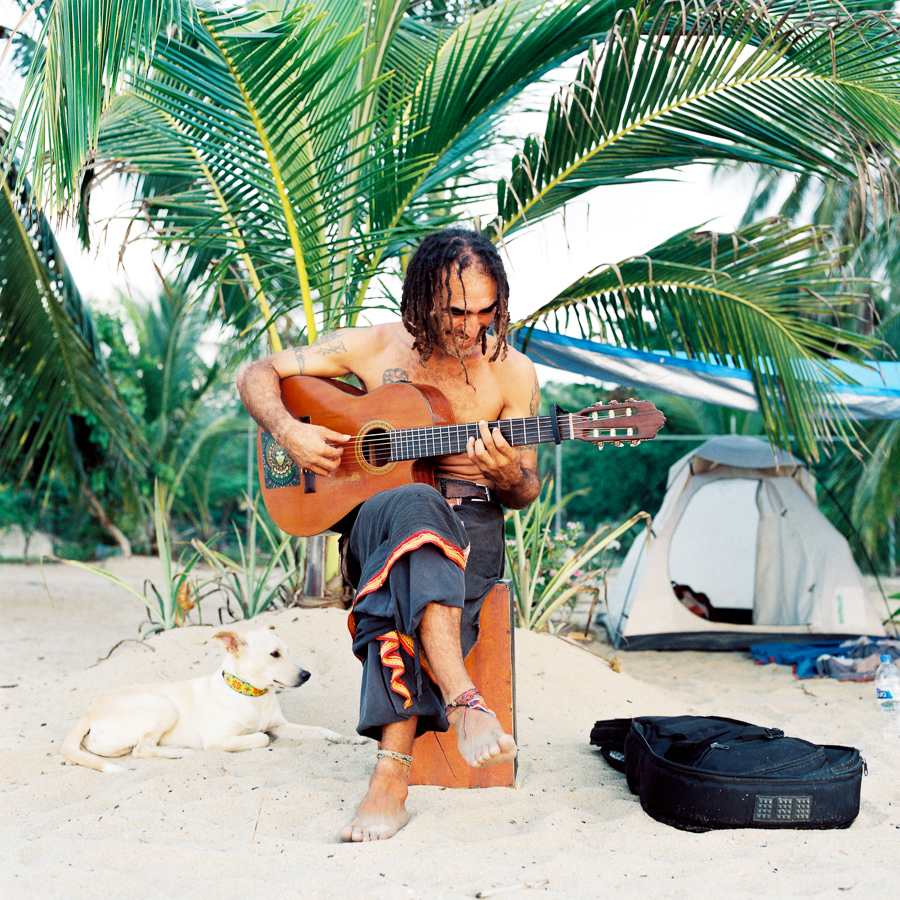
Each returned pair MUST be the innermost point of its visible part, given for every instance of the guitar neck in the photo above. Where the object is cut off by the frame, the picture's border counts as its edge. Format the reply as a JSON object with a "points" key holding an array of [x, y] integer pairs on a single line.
{"points": [[445, 440]]}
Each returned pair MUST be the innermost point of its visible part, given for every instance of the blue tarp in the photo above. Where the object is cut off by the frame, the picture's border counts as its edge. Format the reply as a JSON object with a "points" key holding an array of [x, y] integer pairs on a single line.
{"points": [[851, 660], [877, 396]]}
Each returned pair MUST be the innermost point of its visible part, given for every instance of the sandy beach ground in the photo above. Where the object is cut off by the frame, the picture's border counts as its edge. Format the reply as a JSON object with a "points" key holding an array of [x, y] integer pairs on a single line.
{"points": [[216, 826]]}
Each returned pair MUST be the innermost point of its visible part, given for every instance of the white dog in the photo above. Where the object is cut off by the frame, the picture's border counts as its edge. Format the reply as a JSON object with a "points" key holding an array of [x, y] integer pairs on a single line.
{"points": [[232, 709]]}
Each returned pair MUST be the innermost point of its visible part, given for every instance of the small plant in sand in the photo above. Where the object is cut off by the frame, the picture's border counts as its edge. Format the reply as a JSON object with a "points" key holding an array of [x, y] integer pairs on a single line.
{"points": [[894, 618], [550, 569], [254, 585], [169, 605]]}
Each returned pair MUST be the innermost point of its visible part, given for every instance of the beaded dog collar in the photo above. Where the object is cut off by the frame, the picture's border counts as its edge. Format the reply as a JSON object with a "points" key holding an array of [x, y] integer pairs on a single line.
{"points": [[242, 687]]}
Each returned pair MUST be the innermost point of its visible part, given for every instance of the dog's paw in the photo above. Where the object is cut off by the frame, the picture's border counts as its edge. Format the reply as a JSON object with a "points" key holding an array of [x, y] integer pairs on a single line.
{"points": [[353, 739], [334, 738]]}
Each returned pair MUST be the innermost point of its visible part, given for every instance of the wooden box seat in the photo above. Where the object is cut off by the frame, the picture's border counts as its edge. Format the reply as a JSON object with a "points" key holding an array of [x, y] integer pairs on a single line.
{"points": [[436, 759]]}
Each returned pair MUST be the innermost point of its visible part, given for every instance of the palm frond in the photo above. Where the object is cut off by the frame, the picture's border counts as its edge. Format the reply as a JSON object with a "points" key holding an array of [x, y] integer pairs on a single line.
{"points": [[452, 83], [875, 499], [262, 117], [760, 299], [86, 47], [50, 359], [820, 97]]}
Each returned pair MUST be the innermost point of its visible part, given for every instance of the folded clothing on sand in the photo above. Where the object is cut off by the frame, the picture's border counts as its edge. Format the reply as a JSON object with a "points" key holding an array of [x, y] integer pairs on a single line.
{"points": [[851, 660]]}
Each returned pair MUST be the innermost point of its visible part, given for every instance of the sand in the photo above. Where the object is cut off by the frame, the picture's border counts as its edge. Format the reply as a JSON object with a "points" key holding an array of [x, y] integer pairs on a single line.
{"points": [[215, 825]]}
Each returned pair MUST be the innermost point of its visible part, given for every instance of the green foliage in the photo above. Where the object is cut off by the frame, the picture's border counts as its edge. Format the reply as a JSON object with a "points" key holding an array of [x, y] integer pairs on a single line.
{"points": [[178, 593], [605, 484], [255, 586], [858, 492], [550, 569], [51, 362], [295, 152], [719, 305], [17, 508], [895, 615]]}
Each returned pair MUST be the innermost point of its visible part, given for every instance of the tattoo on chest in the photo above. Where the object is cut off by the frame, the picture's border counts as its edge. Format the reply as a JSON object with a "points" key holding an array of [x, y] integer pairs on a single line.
{"points": [[394, 376]]}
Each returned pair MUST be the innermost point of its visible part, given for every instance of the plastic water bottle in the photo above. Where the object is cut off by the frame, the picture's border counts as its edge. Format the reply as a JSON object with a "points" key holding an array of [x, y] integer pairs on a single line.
{"points": [[887, 683]]}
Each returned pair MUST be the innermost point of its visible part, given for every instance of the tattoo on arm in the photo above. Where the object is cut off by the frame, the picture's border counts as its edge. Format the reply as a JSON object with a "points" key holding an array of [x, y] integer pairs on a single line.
{"points": [[301, 359], [394, 376], [532, 447], [535, 397], [329, 345]]}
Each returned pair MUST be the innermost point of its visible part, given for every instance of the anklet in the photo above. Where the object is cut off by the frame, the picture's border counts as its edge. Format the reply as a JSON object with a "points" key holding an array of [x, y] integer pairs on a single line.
{"points": [[400, 757], [471, 699]]}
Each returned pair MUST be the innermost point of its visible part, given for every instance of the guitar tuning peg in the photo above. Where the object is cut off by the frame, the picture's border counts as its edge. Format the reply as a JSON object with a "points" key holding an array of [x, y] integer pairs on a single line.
{"points": [[619, 443], [634, 443], [599, 445]]}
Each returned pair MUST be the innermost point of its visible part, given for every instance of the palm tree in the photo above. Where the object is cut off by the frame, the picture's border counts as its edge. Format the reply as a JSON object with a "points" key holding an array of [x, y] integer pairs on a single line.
{"points": [[859, 486], [297, 152], [185, 414], [54, 370]]}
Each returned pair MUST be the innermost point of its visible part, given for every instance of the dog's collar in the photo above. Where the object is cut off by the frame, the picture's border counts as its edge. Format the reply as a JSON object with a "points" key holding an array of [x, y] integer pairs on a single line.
{"points": [[242, 687]]}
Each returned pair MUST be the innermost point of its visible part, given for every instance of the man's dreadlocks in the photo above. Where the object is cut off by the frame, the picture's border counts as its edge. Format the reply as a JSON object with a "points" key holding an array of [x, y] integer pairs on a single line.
{"points": [[439, 256]]}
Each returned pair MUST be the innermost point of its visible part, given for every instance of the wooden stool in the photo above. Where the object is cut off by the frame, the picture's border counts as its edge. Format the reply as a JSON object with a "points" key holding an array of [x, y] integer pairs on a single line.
{"points": [[491, 666]]}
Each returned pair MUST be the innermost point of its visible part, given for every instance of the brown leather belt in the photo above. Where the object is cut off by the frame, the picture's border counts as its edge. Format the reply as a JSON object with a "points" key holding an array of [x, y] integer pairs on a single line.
{"points": [[455, 489]]}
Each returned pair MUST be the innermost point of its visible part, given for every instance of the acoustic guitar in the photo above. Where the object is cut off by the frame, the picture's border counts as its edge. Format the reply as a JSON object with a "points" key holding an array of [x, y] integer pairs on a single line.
{"points": [[398, 432]]}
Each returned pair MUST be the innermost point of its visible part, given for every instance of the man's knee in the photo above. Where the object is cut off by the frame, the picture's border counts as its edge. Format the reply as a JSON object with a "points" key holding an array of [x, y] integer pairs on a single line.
{"points": [[424, 495]]}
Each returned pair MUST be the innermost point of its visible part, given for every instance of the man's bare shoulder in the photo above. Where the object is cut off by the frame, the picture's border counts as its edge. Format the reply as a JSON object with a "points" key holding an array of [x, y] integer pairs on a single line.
{"points": [[364, 338], [387, 334], [517, 361], [516, 365], [519, 382]]}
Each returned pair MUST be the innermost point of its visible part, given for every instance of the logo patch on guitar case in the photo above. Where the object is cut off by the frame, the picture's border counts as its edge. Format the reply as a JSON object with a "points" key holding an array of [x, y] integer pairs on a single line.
{"points": [[279, 470]]}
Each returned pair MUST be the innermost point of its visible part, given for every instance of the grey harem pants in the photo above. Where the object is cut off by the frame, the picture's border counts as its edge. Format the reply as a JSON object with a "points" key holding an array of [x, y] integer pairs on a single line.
{"points": [[406, 549]]}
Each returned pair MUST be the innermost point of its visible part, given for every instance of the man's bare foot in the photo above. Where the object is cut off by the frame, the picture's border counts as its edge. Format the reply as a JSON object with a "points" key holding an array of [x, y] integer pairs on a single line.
{"points": [[382, 812], [482, 742]]}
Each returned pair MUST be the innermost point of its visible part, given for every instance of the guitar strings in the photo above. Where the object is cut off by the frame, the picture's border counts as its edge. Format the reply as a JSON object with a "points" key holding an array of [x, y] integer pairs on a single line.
{"points": [[545, 434]]}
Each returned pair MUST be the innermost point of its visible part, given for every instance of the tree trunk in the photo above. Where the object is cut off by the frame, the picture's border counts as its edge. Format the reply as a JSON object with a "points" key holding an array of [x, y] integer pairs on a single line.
{"points": [[99, 513]]}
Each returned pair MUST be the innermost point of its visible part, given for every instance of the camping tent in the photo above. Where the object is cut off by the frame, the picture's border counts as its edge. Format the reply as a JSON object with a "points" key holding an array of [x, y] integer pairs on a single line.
{"points": [[740, 524]]}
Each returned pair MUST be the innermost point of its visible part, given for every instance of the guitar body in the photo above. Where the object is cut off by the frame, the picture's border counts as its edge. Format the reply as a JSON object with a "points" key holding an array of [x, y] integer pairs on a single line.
{"points": [[397, 432], [303, 503]]}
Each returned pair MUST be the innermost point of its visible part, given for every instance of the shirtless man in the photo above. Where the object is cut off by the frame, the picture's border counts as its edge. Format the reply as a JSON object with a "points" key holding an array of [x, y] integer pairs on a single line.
{"points": [[418, 597]]}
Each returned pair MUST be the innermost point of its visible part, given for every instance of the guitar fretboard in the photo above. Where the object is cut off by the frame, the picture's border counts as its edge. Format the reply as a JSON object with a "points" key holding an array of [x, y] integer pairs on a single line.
{"points": [[443, 440]]}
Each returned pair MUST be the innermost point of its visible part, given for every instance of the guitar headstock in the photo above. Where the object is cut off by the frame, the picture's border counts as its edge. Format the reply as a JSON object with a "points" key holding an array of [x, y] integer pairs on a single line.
{"points": [[628, 422]]}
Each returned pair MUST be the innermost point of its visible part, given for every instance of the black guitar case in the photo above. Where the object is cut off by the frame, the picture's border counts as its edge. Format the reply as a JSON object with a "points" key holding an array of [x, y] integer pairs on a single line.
{"points": [[698, 773]]}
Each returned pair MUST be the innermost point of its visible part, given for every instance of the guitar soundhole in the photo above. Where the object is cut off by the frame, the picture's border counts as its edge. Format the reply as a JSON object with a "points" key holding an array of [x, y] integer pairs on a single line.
{"points": [[375, 448]]}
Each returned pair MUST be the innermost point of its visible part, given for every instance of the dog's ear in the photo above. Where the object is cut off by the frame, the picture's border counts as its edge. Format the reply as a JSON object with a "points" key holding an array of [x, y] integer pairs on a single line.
{"points": [[231, 641]]}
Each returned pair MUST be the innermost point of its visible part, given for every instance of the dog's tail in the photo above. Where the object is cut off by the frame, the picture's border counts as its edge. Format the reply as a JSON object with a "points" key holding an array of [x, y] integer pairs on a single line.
{"points": [[75, 753]]}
